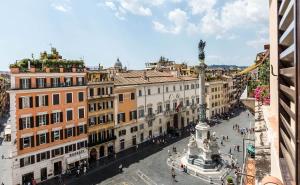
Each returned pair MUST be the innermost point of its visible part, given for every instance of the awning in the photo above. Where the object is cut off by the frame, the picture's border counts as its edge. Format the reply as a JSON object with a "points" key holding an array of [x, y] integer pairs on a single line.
{"points": [[7, 131], [76, 158]]}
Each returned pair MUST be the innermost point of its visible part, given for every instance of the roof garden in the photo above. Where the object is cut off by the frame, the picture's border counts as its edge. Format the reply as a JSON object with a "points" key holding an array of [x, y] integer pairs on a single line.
{"points": [[51, 60]]}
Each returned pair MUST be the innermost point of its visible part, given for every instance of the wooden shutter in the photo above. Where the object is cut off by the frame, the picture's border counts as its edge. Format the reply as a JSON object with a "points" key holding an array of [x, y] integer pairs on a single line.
{"points": [[21, 143], [52, 118], [31, 101], [61, 134], [37, 140], [48, 154], [66, 136], [47, 137], [21, 162], [52, 153], [74, 147], [77, 130], [47, 119], [20, 103], [32, 159], [37, 120], [52, 136], [61, 117], [61, 150], [38, 157], [20, 84], [31, 122], [36, 83], [51, 82], [32, 141], [66, 149], [47, 100], [85, 128], [74, 131], [37, 101], [20, 124]]}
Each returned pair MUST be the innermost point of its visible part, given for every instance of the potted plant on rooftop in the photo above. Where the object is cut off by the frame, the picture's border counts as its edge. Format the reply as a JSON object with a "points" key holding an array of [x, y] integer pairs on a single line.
{"points": [[230, 180]]}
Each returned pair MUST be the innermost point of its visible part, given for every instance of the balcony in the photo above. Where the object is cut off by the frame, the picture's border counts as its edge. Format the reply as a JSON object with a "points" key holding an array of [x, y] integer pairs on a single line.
{"points": [[169, 112], [50, 85], [102, 141], [150, 117]]}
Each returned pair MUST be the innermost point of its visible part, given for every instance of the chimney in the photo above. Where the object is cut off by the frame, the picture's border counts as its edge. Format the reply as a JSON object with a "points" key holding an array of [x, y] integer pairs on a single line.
{"points": [[145, 75]]}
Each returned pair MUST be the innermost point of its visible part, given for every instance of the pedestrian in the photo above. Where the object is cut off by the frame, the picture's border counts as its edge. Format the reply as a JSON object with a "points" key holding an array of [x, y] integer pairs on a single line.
{"points": [[78, 171], [230, 150], [84, 170], [222, 142], [238, 148], [33, 181], [120, 167], [2, 156], [227, 138], [169, 152], [2, 183]]}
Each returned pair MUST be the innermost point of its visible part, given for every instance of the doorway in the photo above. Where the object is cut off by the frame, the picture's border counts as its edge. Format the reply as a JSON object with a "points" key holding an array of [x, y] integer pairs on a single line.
{"points": [[101, 152], [175, 121], [43, 174], [93, 155], [182, 122], [57, 168], [27, 178]]}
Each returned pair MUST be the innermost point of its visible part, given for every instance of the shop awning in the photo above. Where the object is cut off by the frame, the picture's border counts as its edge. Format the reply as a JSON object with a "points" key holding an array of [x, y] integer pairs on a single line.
{"points": [[76, 158]]}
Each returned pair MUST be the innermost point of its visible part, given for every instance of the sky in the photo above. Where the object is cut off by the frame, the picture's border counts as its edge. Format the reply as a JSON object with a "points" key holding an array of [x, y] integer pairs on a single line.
{"points": [[136, 31]]}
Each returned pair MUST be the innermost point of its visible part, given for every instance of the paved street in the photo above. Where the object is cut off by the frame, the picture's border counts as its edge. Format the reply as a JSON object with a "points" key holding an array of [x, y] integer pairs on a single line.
{"points": [[149, 166]]}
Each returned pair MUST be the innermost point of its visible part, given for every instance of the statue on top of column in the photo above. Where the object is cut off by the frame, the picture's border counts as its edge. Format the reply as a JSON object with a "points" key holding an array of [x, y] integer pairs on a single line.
{"points": [[201, 47]]}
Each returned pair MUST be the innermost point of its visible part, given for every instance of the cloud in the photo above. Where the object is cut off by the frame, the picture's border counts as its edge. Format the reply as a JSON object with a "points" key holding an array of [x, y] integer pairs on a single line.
{"points": [[111, 5], [134, 7], [261, 38], [156, 2], [178, 19], [201, 6], [61, 7]]}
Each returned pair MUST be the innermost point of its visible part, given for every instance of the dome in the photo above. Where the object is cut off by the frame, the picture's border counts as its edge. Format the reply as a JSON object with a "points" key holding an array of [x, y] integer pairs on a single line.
{"points": [[118, 64]]}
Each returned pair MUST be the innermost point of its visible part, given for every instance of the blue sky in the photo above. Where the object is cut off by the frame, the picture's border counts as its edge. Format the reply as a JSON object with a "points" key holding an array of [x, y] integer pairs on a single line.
{"points": [[136, 31]]}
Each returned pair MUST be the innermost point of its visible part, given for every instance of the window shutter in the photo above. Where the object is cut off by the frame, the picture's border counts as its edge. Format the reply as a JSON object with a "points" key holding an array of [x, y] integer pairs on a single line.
{"points": [[36, 82], [61, 116], [21, 143], [52, 153], [31, 101], [52, 118], [62, 150], [47, 119], [37, 101], [123, 117], [32, 159], [130, 115], [61, 135], [32, 141], [37, 121], [20, 124], [51, 82], [31, 122], [48, 154], [21, 162], [37, 140], [74, 131], [29, 83], [47, 100], [85, 144], [77, 130], [20, 103], [74, 147], [47, 137], [85, 128], [38, 157], [20, 84], [52, 136], [66, 134], [66, 149]]}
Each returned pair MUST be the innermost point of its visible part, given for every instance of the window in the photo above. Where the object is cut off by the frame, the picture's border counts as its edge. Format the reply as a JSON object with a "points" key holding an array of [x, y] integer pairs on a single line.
{"points": [[81, 113], [122, 132], [181, 87], [133, 140], [132, 115], [149, 91], [69, 97], [69, 132], [68, 81], [55, 99], [120, 97], [150, 111], [167, 89], [80, 129], [192, 86], [92, 107], [92, 120], [141, 113], [27, 161], [174, 88], [140, 92], [79, 80], [42, 119], [187, 102], [121, 117], [56, 135], [80, 96], [26, 122], [132, 96], [159, 108], [55, 82], [134, 129], [56, 117], [26, 142], [91, 92], [41, 82], [25, 102], [25, 83], [41, 100], [167, 107], [69, 115], [42, 138], [122, 144], [158, 90], [141, 126]]}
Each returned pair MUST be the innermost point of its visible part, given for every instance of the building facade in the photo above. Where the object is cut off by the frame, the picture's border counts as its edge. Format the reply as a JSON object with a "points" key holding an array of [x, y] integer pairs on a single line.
{"points": [[48, 115], [101, 103]]}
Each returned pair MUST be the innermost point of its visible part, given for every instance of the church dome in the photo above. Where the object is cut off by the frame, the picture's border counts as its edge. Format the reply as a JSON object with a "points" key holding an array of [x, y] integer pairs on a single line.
{"points": [[118, 64]]}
